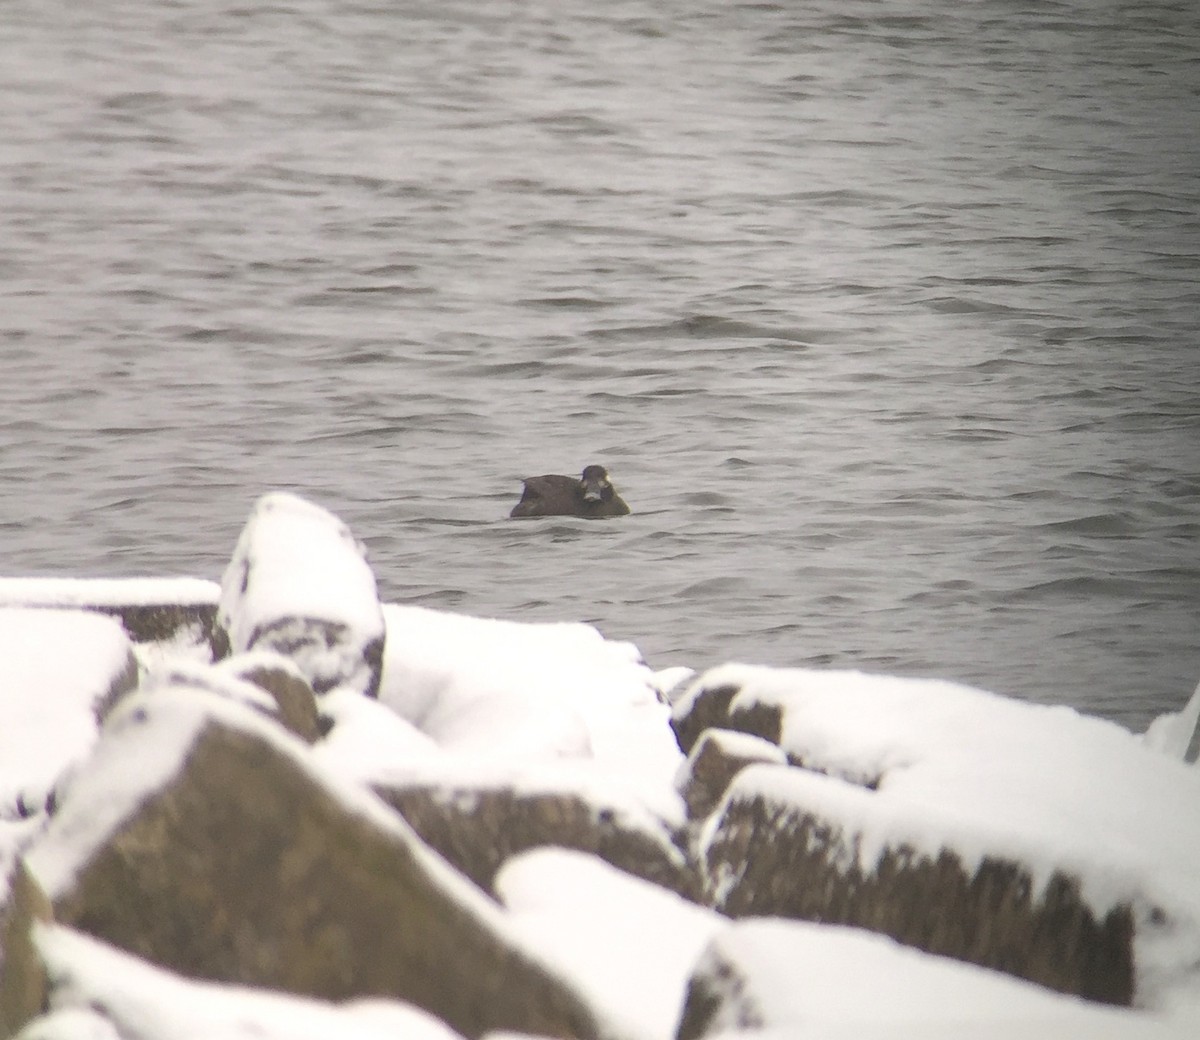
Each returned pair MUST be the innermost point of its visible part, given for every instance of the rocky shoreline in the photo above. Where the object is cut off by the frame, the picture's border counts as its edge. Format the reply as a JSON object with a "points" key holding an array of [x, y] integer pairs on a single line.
{"points": [[278, 782]]}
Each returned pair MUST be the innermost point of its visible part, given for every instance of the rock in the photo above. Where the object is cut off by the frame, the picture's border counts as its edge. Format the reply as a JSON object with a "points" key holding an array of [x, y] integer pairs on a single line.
{"points": [[479, 825], [698, 707], [963, 823], [716, 758], [296, 704], [22, 974], [768, 855], [299, 584], [173, 611], [60, 672], [227, 855]]}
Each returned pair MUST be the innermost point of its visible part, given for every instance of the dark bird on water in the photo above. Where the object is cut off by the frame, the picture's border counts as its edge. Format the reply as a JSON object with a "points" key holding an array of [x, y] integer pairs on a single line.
{"points": [[590, 495]]}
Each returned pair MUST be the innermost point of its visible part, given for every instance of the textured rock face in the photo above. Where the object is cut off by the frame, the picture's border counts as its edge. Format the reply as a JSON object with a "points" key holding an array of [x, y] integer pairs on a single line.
{"points": [[238, 864], [768, 858], [296, 704], [478, 829], [299, 584], [700, 707], [956, 821], [22, 975], [716, 758]]}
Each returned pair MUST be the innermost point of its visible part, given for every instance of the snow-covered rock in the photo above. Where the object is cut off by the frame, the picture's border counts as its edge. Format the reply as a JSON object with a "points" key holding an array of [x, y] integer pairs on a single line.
{"points": [[715, 759], [766, 977], [299, 583], [197, 832], [97, 992], [205, 838], [1025, 837], [478, 815]]}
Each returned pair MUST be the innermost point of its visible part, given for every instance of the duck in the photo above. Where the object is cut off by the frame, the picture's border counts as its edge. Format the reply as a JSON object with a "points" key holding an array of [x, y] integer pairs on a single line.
{"points": [[589, 495]]}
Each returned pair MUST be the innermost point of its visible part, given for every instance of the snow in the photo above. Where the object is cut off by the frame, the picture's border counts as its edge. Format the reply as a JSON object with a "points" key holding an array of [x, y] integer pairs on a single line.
{"points": [[108, 592], [818, 980], [56, 668], [627, 944], [93, 985], [371, 745], [1175, 732], [367, 741], [298, 564], [217, 679], [667, 681], [491, 688], [962, 769]]}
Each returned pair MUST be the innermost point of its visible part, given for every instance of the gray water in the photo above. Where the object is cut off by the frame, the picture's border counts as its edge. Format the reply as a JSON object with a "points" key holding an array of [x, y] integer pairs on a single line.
{"points": [[883, 316]]}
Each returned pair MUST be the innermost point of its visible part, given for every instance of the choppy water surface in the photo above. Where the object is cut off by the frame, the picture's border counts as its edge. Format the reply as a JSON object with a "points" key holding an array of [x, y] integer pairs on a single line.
{"points": [[883, 317]]}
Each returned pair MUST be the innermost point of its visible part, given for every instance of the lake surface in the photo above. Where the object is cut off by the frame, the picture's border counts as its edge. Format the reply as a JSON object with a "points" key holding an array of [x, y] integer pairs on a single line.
{"points": [[884, 318]]}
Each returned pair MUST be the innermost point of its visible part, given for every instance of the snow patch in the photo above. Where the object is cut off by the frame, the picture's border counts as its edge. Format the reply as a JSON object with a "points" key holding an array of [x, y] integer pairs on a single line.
{"points": [[95, 987], [812, 978], [493, 688], [56, 669], [627, 944]]}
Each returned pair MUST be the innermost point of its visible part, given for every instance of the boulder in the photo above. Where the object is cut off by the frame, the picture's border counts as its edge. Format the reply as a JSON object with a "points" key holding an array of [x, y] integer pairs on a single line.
{"points": [[227, 855], [716, 758], [773, 853], [477, 824], [1027, 838], [697, 706], [299, 584]]}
